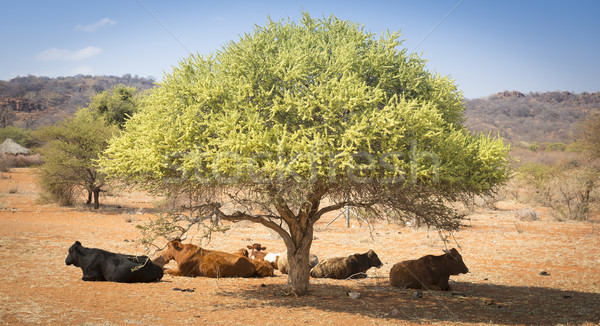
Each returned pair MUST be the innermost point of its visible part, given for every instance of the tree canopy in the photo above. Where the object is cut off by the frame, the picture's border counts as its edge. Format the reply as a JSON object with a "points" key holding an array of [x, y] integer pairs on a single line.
{"points": [[115, 105], [70, 151], [300, 119]]}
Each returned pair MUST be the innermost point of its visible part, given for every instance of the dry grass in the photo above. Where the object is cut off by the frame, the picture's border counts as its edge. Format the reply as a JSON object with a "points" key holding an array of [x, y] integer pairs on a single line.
{"points": [[504, 253]]}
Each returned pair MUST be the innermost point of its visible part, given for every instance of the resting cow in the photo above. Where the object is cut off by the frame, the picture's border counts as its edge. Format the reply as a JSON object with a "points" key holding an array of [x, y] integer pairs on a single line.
{"points": [[428, 272], [284, 267], [195, 261], [263, 268], [101, 265], [256, 251], [353, 266], [257, 254]]}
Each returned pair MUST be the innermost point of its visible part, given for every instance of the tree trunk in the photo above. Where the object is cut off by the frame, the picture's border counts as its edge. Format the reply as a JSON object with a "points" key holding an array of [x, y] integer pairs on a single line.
{"points": [[96, 195], [298, 260], [89, 201]]}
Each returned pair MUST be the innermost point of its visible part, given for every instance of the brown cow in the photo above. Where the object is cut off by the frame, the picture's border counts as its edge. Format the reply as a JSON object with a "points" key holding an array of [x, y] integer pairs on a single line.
{"points": [[353, 266], [429, 272], [195, 261], [256, 251], [263, 268]]}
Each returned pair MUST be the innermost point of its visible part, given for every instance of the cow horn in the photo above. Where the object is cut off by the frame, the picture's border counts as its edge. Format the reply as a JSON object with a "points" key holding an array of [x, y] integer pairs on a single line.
{"points": [[183, 237]]}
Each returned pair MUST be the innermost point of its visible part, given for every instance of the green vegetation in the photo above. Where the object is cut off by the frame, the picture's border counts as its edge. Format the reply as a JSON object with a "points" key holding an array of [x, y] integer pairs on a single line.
{"points": [[116, 105], [19, 135], [70, 151], [298, 120], [71, 148]]}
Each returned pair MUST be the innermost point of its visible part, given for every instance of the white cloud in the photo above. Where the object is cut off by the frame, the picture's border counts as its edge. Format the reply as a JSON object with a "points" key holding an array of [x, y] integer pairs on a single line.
{"points": [[95, 26], [55, 54]]}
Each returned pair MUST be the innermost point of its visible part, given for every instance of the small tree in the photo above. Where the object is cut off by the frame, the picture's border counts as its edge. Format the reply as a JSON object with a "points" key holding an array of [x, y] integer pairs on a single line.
{"points": [[298, 120], [116, 104], [70, 151]]}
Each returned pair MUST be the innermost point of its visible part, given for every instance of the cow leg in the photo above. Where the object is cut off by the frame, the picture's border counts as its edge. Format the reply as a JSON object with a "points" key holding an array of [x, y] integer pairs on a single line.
{"points": [[173, 271], [443, 284], [92, 277]]}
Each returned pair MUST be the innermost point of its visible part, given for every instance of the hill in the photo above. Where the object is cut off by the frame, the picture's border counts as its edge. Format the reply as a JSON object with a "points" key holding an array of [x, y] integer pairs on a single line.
{"points": [[541, 117], [32, 102]]}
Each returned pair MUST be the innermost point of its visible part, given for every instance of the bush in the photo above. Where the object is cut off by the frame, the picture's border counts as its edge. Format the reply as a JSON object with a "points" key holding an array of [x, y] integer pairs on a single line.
{"points": [[19, 135], [569, 189], [556, 147]]}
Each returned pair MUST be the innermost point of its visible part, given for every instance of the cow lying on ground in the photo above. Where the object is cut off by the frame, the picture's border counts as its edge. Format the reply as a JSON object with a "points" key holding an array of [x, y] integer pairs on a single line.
{"points": [[428, 272], [353, 266], [195, 261], [284, 267], [256, 253], [263, 268], [101, 265]]}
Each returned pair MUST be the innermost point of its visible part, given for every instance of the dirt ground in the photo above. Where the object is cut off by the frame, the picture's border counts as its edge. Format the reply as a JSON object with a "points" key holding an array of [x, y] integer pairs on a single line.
{"points": [[505, 256]]}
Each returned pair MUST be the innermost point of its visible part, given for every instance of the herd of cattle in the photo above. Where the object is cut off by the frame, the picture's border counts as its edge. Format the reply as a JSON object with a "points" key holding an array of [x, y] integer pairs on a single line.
{"points": [[429, 272]]}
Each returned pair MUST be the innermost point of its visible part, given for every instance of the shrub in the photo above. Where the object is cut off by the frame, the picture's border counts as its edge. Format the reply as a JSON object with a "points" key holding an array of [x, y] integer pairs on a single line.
{"points": [[556, 147], [569, 189]]}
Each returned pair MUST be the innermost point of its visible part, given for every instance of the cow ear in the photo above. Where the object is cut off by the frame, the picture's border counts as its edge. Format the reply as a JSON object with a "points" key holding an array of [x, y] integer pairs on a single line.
{"points": [[249, 247], [77, 243]]}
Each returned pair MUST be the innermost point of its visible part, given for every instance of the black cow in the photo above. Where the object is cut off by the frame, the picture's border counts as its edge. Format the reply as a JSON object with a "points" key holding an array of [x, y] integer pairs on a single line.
{"points": [[353, 266], [101, 265]]}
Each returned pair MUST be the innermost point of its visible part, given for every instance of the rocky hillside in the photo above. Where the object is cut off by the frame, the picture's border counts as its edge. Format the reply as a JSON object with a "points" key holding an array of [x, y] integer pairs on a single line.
{"points": [[540, 117], [31, 102]]}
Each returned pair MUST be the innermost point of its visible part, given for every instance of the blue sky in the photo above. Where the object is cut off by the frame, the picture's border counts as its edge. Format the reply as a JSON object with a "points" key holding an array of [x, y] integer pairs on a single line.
{"points": [[485, 46]]}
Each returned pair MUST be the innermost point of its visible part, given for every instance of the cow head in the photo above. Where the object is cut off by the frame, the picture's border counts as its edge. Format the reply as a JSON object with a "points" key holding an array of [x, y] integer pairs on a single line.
{"points": [[257, 247], [73, 256], [173, 247], [455, 262], [374, 259]]}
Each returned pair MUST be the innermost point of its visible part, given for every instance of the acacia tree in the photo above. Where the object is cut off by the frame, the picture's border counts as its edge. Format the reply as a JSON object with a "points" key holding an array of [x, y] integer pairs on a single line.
{"points": [[297, 120], [70, 151]]}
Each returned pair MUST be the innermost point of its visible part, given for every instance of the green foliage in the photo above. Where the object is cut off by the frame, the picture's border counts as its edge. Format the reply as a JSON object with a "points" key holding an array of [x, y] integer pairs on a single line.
{"points": [[19, 135], [534, 147], [70, 151], [556, 147], [116, 105], [305, 100]]}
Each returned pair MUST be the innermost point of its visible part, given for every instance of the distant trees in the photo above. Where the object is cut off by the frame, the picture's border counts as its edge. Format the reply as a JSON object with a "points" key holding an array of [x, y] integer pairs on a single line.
{"points": [[536, 117], [116, 105], [71, 147], [60, 97]]}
